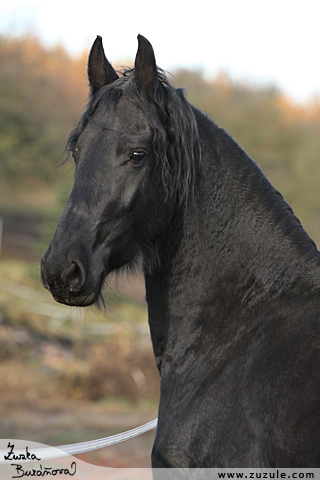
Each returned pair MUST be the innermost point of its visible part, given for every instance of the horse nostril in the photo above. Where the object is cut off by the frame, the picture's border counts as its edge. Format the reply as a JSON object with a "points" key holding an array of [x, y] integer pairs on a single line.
{"points": [[74, 276]]}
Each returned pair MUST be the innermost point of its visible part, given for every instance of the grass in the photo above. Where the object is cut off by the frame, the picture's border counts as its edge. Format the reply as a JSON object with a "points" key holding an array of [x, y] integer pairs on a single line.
{"points": [[101, 356], [121, 309]]}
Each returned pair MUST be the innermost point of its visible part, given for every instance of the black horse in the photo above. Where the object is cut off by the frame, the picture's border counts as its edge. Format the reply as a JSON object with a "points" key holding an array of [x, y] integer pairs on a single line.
{"points": [[232, 279]]}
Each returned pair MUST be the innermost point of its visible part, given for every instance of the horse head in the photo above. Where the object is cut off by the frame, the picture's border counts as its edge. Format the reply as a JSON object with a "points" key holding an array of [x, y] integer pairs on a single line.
{"points": [[110, 214]]}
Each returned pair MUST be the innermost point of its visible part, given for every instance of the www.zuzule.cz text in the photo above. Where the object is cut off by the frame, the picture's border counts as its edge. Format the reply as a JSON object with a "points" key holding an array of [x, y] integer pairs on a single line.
{"points": [[274, 474]]}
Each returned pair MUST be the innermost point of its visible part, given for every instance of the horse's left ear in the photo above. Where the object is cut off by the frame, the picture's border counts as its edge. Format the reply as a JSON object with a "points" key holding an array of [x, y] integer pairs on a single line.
{"points": [[100, 71], [145, 66]]}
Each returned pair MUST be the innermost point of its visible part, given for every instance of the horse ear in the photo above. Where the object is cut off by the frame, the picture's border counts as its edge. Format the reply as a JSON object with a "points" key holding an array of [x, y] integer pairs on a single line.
{"points": [[145, 66], [100, 71]]}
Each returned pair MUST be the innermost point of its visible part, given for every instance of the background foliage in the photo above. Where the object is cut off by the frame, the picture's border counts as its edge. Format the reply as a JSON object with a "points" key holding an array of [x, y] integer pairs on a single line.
{"points": [[42, 93], [281, 137], [41, 96]]}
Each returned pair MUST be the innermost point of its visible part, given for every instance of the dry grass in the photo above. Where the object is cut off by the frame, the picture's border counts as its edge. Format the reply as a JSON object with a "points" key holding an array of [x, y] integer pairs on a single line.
{"points": [[42, 356]]}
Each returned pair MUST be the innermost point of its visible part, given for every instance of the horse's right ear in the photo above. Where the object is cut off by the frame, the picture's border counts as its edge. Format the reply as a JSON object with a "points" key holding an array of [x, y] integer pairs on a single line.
{"points": [[100, 71]]}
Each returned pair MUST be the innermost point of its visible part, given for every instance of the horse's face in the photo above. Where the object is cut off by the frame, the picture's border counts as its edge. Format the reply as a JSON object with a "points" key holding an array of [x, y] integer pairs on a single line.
{"points": [[112, 204]]}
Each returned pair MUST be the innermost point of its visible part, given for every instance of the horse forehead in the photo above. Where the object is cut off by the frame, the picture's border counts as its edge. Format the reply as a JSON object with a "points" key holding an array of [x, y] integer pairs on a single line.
{"points": [[128, 117]]}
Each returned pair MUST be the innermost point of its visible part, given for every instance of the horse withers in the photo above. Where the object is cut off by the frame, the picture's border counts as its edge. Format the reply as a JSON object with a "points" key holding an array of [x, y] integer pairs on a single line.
{"points": [[232, 279]]}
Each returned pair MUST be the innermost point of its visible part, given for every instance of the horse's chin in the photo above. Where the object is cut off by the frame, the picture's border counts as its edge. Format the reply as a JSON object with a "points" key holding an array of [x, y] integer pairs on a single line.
{"points": [[78, 301], [83, 298]]}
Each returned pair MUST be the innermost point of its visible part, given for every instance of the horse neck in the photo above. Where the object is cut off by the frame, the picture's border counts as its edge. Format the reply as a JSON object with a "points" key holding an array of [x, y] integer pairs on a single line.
{"points": [[239, 246]]}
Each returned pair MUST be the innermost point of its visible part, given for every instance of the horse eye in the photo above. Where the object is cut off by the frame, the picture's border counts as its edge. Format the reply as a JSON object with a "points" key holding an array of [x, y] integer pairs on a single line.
{"points": [[137, 157], [74, 153]]}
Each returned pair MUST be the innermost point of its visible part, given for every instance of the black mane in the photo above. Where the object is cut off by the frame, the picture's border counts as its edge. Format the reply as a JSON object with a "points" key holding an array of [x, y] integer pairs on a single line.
{"points": [[176, 140]]}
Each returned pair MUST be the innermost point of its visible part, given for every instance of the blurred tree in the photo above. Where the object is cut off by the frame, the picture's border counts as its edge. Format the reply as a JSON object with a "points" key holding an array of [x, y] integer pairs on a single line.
{"points": [[41, 94], [283, 138]]}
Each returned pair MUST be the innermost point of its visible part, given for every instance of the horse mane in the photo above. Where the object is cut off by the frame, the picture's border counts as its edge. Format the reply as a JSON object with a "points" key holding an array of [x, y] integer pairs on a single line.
{"points": [[176, 142]]}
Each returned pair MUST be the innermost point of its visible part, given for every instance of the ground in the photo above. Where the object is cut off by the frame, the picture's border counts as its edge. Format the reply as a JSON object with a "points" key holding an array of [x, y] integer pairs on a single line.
{"points": [[65, 381]]}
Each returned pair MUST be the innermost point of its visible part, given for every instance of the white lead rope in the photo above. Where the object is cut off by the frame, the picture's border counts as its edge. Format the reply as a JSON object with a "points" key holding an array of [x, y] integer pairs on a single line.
{"points": [[75, 448]]}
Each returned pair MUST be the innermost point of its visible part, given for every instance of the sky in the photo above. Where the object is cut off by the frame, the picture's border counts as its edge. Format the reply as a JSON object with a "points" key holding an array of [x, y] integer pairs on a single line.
{"points": [[274, 42]]}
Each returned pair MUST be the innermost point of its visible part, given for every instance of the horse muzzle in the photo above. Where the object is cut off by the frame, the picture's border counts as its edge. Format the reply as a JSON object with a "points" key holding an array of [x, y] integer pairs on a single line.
{"points": [[68, 280]]}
